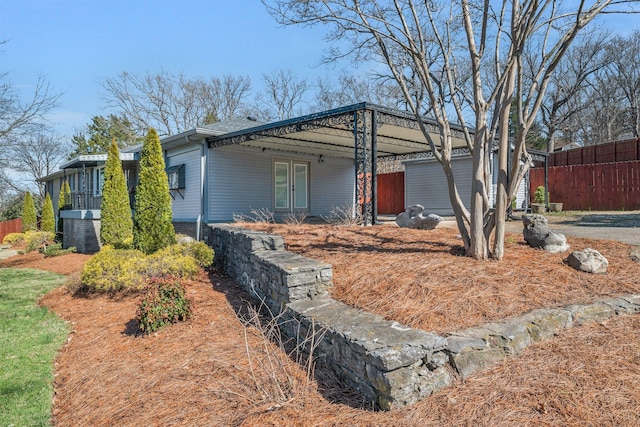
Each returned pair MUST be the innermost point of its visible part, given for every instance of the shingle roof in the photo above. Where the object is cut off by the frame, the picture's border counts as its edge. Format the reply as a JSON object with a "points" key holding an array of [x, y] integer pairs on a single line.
{"points": [[233, 125]]}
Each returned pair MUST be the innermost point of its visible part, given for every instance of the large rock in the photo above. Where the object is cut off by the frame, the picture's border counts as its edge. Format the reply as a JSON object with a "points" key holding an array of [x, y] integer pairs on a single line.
{"points": [[589, 261], [413, 217], [538, 235], [634, 254]]}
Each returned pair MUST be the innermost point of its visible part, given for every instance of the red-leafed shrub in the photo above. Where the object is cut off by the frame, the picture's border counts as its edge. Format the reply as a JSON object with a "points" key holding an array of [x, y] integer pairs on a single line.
{"points": [[164, 302]]}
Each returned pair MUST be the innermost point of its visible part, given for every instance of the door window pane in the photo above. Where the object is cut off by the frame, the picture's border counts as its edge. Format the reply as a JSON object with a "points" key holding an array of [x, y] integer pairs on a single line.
{"points": [[281, 185], [300, 186]]}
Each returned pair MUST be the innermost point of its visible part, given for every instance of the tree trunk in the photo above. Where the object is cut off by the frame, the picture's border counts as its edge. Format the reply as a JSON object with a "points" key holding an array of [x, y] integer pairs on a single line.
{"points": [[478, 247]]}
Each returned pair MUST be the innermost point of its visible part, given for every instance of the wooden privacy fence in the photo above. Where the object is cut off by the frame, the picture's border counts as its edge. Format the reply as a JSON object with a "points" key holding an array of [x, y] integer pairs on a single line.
{"points": [[11, 226], [602, 186], [391, 193], [618, 151]]}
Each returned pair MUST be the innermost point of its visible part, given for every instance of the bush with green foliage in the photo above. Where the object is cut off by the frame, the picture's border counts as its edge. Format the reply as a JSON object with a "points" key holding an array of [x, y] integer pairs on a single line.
{"points": [[37, 239], [116, 225], [64, 203], [171, 261], [112, 270], [199, 251], [55, 249], [14, 239], [164, 302], [29, 218], [538, 195], [152, 226], [48, 220]]}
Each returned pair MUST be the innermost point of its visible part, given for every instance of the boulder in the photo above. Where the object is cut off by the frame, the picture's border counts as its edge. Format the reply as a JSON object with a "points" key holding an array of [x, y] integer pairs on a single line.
{"points": [[538, 235], [634, 254], [589, 261], [413, 217]]}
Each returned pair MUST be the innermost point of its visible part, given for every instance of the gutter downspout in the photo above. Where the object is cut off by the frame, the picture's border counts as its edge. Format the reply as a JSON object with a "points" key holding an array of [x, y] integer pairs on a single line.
{"points": [[203, 162]]}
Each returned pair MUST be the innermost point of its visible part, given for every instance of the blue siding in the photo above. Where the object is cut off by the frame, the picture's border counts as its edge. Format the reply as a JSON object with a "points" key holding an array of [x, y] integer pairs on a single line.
{"points": [[240, 179], [186, 203]]}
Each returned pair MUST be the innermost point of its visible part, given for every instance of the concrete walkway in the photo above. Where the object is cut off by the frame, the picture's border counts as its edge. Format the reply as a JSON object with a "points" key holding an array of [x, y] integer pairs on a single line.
{"points": [[7, 252]]}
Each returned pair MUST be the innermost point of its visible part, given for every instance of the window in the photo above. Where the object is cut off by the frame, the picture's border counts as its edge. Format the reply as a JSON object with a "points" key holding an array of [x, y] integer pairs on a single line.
{"points": [[98, 181], [281, 185], [176, 176]]}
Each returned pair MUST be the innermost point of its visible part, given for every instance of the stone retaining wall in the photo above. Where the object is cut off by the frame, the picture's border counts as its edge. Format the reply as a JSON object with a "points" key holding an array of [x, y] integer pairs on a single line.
{"points": [[388, 363]]}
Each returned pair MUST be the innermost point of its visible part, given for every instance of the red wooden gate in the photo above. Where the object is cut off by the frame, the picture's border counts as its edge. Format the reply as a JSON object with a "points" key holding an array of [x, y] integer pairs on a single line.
{"points": [[391, 193]]}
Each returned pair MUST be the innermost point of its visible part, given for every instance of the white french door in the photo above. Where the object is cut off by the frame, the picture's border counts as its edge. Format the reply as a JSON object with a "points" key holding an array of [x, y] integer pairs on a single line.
{"points": [[291, 185]]}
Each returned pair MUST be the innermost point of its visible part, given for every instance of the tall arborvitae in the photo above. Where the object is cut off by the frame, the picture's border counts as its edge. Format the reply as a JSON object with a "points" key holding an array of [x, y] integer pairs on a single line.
{"points": [[152, 226], [64, 203], [48, 221], [29, 219], [116, 225]]}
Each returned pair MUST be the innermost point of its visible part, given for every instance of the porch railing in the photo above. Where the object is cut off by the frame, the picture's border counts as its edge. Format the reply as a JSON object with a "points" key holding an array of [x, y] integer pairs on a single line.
{"points": [[85, 200]]}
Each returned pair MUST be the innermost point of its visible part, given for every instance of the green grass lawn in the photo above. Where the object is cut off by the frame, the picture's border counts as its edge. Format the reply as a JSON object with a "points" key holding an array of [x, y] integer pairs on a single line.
{"points": [[30, 336]]}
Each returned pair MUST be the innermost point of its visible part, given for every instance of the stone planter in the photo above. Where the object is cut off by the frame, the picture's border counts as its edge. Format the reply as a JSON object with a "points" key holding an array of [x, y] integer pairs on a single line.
{"points": [[538, 208], [555, 207]]}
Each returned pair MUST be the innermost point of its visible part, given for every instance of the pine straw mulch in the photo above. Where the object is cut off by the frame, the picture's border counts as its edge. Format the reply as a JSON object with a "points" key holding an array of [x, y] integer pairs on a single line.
{"points": [[421, 279], [214, 370]]}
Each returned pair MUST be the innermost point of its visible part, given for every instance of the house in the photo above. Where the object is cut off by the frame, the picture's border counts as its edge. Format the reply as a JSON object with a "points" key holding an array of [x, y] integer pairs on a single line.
{"points": [[85, 175], [311, 164]]}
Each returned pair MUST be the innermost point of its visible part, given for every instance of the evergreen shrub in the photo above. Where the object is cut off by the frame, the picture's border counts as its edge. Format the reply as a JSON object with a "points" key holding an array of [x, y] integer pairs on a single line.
{"points": [[64, 203], [116, 225], [201, 252], [14, 239], [55, 249], [37, 239], [48, 220], [113, 270], [171, 261], [29, 218], [152, 226], [164, 302]]}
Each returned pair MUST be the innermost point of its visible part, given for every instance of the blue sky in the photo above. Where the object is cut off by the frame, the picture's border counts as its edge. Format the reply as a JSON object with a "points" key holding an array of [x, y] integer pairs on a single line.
{"points": [[74, 44]]}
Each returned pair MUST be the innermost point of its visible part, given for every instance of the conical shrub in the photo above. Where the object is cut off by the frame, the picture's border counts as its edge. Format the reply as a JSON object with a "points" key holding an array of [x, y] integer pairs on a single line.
{"points": [[152, 226], [64, 203], [29, 219], [116, 225], [48, 221]]}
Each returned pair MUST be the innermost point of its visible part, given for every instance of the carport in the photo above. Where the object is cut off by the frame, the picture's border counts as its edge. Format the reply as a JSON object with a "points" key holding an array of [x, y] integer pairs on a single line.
{"points": [[363, 132]]}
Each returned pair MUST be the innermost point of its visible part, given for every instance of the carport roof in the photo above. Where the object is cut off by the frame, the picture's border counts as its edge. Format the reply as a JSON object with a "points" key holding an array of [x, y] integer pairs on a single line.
{"points": [[330, 133]]}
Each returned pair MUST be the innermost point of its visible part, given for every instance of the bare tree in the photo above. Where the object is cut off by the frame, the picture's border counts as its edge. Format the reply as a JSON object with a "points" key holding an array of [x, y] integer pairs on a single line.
{"points": [[174, 103], [18, 116], [432, 43], [601, 118], [39, 154], [625, 74], [568, 86], [283, 95]]}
